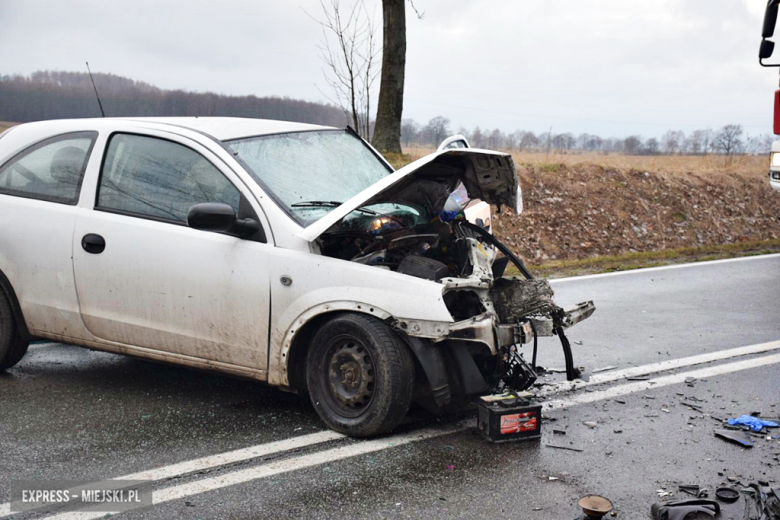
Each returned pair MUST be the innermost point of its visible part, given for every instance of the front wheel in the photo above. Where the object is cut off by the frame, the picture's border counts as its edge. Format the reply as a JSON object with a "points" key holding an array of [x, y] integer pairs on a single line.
{"points": [[360, 375]]}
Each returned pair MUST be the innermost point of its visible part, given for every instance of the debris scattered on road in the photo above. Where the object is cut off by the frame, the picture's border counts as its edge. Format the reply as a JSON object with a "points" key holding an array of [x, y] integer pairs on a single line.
{"points": [[754, 423], [590, 424], [727, 494], [578, 342], [691, 489], [595, 506], [738, 437], [638, 378], [604, 369], [620, 401], [559, 432], [563, 447], [680, 509], [617, 431], [691, 406]]}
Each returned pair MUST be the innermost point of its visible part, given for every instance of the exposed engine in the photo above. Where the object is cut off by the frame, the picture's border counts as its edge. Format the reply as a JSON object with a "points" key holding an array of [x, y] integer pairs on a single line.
{"points": [[420, 228]]}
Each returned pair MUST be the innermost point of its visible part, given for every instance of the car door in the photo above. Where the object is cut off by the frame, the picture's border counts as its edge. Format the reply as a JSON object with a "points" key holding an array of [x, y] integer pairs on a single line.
{"points": [[39, 190], [145, 279]]}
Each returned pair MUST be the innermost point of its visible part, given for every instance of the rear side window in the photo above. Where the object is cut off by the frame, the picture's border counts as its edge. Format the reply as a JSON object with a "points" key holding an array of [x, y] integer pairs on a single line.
{"points": [[51, 170], [151, 177]]}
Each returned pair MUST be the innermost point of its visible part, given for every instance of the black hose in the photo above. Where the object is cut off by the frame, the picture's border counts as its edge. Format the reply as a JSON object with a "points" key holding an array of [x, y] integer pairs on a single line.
{"points": [[571, 374], [536, 344]]}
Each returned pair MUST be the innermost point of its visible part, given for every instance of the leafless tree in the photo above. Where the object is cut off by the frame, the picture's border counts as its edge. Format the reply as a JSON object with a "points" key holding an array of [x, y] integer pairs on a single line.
{"points": [[437, 129], [409, 131], [673, 141], [529, 140], [349, 50], [729, 140], [632, 145], [651, 146]]}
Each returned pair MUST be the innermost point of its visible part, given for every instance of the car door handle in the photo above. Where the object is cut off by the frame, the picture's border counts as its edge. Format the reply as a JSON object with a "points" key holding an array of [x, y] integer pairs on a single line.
{"points": [[93, 243]]}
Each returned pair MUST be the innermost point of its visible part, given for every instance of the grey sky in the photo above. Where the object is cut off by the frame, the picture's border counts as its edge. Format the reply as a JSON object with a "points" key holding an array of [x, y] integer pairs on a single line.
{"points": [[611, 67]]}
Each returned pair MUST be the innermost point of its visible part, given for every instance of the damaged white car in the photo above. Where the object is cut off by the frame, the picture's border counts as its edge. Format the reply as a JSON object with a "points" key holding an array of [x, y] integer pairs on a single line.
{"points": [[288, 253]]}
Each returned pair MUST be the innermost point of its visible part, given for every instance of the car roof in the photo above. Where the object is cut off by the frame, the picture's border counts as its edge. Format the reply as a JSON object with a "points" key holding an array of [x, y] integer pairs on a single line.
{"points": [[222, 128]]}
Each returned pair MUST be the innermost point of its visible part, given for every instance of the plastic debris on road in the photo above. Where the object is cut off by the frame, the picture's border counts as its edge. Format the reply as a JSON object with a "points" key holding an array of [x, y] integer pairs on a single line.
{"points": [[754, 423]]}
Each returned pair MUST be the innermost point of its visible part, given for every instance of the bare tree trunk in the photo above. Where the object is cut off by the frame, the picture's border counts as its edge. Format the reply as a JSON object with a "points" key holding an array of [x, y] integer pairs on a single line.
{"points": [[387, 131]]}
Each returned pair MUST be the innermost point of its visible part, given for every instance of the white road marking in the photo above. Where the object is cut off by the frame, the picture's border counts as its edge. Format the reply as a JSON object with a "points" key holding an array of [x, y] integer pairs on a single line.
{"points": [[230, 457], [665, 267], [363, 447], [284, 466], [659, 382], [41, 345], [671, 364], [261, 450]]}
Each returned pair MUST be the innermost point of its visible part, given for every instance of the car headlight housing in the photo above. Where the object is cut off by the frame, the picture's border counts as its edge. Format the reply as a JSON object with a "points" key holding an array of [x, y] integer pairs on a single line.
{"points": [[775, 161]]}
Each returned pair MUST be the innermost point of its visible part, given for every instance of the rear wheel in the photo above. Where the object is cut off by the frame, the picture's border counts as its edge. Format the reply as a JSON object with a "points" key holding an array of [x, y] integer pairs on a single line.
{"points": [[360, 375], [12, 347]]}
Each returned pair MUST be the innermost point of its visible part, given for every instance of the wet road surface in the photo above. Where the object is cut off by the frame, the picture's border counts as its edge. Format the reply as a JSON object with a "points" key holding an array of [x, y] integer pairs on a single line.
{"points": [[69, 413]]}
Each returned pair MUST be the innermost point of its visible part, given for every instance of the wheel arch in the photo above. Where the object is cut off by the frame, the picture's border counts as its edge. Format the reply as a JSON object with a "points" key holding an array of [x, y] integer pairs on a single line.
{"points": [[298, 337], [16, 308]]}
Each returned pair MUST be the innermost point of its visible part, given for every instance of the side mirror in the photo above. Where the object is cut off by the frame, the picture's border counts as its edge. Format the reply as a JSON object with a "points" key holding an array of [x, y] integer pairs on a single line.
{"points": [[770, 19], [766, 49], [211, 216]]}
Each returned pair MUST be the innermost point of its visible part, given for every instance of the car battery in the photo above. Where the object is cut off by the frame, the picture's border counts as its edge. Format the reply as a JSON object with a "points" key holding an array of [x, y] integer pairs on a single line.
{"points": [[508, 417]]}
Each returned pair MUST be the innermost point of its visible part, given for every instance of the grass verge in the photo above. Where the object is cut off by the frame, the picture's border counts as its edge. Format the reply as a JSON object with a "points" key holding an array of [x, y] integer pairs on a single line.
{"points": [[639, 260]]}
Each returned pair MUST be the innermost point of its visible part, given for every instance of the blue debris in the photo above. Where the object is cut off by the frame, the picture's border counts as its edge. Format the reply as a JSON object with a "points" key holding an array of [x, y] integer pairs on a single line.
{"points": [[754, 423]]}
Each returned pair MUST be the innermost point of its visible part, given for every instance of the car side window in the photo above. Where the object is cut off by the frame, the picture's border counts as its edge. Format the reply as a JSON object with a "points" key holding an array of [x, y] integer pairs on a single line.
{"points": [[152, 177], [51, 170]]}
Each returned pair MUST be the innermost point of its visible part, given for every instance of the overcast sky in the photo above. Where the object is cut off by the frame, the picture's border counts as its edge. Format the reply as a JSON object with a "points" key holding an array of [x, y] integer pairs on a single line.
{"points": [[610, 67]]}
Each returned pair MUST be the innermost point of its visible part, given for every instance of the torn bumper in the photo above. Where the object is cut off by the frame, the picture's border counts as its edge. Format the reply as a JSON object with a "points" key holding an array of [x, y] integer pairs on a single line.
{"points": [[485, 328], [569, 317]]}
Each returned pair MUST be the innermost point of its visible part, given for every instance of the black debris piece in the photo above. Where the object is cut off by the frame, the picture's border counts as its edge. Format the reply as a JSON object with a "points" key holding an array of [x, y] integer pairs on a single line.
{"points": [[681, 509], [739, 437], [562, 447]]}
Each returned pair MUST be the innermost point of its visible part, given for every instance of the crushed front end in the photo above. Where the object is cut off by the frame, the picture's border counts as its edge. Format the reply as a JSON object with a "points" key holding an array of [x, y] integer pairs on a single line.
{"points": [[420, 227]]}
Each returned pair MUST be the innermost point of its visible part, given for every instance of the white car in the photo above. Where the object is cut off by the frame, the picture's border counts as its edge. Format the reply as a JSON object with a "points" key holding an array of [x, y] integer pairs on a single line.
{"points": [[288, 253]]}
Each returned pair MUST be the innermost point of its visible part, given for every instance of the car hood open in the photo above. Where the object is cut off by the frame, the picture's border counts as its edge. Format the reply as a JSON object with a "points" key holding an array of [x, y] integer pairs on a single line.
{"points": [[487, 175]]}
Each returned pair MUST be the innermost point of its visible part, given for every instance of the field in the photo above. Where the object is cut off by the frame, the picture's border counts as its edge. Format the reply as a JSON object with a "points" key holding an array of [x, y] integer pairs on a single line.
{"points": [[588, 212], [676, 164]]}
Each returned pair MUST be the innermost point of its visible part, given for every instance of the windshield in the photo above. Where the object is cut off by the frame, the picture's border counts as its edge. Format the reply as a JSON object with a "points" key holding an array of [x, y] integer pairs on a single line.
{"points": [[310, 173]]}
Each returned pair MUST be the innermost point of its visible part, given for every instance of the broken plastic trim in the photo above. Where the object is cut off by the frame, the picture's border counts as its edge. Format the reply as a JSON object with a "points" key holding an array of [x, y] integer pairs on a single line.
{"points": [[571, 372]]}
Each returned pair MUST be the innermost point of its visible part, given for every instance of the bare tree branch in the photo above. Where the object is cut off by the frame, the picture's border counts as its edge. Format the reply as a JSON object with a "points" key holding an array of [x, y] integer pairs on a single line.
{"points": [[349, 51]]}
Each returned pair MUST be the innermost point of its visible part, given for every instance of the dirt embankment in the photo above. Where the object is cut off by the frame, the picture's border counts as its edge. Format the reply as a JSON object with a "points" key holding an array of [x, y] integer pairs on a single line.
{"points": [[586, 210]]}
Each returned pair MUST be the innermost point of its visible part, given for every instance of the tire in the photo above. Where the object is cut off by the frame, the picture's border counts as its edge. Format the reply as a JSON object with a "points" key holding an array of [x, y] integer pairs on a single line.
{"points": [[12, 347], [360, 375]]}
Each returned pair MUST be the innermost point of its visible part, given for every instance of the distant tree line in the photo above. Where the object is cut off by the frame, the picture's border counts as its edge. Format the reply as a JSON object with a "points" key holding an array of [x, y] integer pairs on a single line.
{"points": [[729, 140], [59, 95]]}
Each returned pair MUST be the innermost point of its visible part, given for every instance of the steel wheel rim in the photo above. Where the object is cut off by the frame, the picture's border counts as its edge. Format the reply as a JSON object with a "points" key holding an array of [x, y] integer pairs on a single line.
{"points": [[349, 376]]}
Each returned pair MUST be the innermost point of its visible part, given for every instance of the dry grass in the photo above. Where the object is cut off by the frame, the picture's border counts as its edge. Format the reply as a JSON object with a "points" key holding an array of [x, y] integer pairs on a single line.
{"points": [[675, 164]]}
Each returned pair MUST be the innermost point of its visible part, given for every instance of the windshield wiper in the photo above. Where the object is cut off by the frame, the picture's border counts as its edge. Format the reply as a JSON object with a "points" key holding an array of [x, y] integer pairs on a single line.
{"points": [[317, 203], [328, 204]]}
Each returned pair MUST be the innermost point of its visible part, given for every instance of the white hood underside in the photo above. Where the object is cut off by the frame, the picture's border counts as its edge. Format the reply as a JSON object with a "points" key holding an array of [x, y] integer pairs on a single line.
{"points": [[488, 175]]}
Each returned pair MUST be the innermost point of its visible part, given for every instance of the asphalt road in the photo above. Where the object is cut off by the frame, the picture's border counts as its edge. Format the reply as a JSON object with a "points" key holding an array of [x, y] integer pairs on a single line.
{"points": [[68, 413]]}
